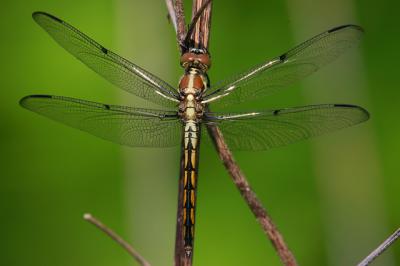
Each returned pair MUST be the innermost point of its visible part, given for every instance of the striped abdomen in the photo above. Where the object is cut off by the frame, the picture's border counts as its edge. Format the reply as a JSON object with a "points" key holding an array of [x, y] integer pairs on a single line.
{"points": [[189, 173]]}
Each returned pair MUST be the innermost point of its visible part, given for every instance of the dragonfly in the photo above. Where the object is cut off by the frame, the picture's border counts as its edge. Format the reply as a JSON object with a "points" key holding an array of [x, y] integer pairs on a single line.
{"points": [[185, 109]]}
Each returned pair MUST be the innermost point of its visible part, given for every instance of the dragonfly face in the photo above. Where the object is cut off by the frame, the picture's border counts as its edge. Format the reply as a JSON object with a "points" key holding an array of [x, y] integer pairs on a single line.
{"points": [[252, 130]]}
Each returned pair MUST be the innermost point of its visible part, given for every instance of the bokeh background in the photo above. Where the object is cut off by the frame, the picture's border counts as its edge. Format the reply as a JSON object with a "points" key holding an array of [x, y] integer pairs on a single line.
{"points": [[334, 198]]}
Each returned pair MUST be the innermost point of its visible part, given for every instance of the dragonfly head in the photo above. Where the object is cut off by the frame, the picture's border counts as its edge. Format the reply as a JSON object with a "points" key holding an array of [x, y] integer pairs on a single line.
{"points": [[196, 59]]}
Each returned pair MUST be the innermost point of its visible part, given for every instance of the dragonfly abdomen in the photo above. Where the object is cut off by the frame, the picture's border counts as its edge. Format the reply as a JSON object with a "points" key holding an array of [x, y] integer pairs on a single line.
{"points": [[189, 178]]}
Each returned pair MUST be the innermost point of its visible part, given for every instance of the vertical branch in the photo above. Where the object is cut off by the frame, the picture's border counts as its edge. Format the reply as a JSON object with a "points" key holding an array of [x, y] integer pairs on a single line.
{"points": [[181, 24], [177, 15], [199, 30], [172, 14]]}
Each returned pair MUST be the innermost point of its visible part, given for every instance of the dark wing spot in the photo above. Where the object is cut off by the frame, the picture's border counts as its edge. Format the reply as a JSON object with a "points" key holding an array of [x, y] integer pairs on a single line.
{"points": [[104, 50], [344, 105], [106, 106], [346, 26], [55, 18], [283, 57], [276, 112], [41, 96]]}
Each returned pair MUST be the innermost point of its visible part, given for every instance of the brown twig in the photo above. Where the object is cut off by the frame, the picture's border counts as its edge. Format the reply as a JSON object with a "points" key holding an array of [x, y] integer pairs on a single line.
{"points": [[181, 24], [201, 33], [382, 248], [125, 245], [195, 19], [172, 14], [250, 197]]}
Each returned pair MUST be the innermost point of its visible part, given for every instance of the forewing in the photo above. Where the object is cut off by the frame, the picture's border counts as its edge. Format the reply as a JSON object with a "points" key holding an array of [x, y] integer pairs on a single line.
{"points": [[274, 128], [286, 69], [134, 127], [109, 65]]}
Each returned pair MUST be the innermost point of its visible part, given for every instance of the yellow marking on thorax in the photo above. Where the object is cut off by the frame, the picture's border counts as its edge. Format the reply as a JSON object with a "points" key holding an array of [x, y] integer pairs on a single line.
{"points": [[191, 79]]}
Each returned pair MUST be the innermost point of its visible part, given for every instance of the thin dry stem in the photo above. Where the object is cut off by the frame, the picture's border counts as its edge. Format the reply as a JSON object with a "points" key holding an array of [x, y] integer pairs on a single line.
{"points": [[201, 32], [250, 197], [125, 245], [181, 24], [172, 14], [382, 248], [195, 19]]}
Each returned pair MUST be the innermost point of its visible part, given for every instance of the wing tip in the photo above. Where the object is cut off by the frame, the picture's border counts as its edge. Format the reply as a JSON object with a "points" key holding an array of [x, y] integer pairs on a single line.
{"points": [[23, 100], [346, 26], [363, 111], [38, 14]]}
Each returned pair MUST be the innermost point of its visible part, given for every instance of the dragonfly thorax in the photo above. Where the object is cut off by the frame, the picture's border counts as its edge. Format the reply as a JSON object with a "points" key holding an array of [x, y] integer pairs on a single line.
{"points": [[193, 81], [191, 87]]}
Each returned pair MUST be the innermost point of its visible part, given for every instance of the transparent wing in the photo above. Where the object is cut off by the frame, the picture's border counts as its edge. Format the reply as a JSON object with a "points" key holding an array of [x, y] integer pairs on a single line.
{"points": [[274, 128], [120, 124], [292, 66], [109, 65]]}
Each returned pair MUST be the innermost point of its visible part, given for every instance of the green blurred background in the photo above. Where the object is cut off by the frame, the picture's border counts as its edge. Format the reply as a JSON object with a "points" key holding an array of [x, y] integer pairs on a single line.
{"points": [[334, 198]]}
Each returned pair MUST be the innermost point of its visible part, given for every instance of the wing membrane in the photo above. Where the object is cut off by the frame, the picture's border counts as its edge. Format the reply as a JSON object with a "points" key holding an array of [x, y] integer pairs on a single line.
{"points": [[120, 124], [109, 65], [286, 69], [274, 128]]}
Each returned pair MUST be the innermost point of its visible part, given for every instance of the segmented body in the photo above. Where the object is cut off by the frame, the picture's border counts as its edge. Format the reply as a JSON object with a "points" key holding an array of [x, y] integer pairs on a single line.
{"points": [[191, 86], [189, 179]]}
